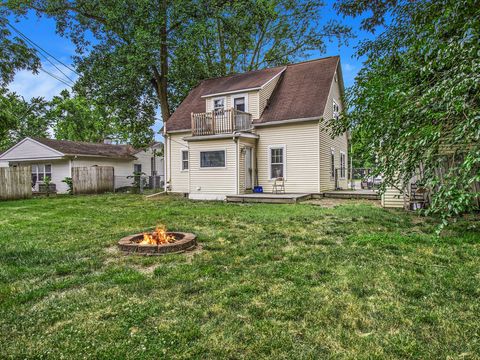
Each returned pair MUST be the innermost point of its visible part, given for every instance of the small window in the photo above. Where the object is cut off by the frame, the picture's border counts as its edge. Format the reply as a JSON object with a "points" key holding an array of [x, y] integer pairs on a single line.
{"points": [[184, 160], [219, 104], [137, 168], [277, 162], [342, 165], [332, 163], [212, 159], [239, 103], [40, 172], [336, 110]]}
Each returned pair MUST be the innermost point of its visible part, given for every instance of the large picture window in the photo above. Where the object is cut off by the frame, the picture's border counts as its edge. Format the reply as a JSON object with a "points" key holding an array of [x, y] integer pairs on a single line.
{"points": [[277, 161], [212, 159]]}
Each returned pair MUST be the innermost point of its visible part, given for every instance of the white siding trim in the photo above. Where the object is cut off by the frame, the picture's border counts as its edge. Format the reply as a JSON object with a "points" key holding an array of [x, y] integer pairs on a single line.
{"points": [[273, 78], [231, 92], [280, 146], [209, 197]]}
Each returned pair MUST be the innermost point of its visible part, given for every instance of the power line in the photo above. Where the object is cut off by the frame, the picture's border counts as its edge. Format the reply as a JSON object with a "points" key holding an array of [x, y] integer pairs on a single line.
{"points": [[55, 77], [45, 53]]}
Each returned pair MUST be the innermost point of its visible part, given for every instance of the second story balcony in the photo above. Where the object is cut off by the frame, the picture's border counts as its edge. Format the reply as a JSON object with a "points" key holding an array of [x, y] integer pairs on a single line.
{"points": [[220, 121]]}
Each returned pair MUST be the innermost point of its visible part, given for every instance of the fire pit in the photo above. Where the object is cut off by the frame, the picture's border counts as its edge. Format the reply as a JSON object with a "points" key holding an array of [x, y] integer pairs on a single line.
{"points": [[158, 242]]}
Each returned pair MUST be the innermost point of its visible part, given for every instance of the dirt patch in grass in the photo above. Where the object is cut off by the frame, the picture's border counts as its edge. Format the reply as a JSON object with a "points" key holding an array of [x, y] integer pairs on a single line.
{"points": [[332, 203]]}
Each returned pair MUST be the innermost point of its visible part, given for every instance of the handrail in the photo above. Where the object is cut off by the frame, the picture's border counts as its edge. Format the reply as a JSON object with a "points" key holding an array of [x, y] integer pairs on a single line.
{"points": [[220, 121]]}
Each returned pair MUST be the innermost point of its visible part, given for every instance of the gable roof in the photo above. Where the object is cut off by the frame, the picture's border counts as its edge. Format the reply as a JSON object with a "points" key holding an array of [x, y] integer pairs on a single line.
{"points": [[301, 92], [68, 147]]}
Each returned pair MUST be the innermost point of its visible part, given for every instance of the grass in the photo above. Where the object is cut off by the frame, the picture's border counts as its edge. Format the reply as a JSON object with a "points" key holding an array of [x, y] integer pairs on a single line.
{"points": [[272, 281]]}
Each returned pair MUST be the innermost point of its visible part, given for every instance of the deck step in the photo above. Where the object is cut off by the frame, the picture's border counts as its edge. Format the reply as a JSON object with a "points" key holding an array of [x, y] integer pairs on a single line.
{"points": [[269, 198], [351, 195]]}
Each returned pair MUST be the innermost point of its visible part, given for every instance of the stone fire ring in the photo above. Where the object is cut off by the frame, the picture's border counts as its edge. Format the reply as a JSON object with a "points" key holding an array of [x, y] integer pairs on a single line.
{"points": [[184, 241]]}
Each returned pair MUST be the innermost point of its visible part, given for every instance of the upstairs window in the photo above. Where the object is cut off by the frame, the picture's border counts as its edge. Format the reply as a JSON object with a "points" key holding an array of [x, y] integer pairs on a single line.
{"points": [[336, 110], [184, 160], [219, 104], [212, 159], [239, 103]]}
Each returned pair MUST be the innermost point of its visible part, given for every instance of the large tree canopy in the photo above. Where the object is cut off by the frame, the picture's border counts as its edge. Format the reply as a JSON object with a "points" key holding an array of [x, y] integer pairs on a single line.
{"points": [[416, 102], [140, 55]]}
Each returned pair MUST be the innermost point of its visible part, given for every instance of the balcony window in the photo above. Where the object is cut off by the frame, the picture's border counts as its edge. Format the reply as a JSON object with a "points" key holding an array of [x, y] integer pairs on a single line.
{"points": [[239, 103], [219, 104]]}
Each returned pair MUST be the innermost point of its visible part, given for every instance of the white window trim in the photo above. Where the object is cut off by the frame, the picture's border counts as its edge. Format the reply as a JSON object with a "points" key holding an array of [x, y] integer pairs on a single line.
{"points": [[181, 160], [244, 95], [332, 152], [215, 167], [269, 157], [344, 165], [219, 98], [44, 165], [333, 109]]}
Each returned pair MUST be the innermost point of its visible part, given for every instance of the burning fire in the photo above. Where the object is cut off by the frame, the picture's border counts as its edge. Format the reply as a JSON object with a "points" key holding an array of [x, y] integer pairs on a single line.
{"points": [[158, 237]]}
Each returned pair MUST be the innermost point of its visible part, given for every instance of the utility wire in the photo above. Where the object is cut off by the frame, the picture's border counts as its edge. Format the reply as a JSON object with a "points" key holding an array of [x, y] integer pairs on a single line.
{"points": [[55, 77], [45, 53]]}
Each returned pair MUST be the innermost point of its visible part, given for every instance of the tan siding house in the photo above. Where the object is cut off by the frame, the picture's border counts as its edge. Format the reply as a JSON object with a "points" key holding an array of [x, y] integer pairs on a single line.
{"points": [[239, 132]]}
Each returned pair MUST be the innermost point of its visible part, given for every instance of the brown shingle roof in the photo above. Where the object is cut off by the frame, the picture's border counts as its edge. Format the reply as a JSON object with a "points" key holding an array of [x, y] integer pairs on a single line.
{"points": [[68, 147], [301, 92]]}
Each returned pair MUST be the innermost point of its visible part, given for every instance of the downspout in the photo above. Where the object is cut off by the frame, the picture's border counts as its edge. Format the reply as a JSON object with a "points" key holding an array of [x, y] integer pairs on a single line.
{"points": [[237, 160]]}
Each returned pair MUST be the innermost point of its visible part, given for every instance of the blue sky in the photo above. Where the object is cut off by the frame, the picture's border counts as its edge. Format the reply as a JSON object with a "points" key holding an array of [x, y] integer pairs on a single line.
{"points": [[42, 32]]}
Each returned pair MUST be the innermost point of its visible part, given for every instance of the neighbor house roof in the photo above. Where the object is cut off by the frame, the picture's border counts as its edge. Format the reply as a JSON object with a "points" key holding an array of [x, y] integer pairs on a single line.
{"points": [[68, 147], [301, 92]]}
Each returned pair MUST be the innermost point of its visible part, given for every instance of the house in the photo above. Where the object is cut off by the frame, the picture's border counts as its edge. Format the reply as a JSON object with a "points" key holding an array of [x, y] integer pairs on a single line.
{"points": [[56, 158], [233, 133]]}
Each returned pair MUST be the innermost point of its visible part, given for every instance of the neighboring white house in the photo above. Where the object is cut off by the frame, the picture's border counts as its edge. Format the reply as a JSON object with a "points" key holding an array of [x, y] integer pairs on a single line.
{"points": [[55, 158], [233, 133]]}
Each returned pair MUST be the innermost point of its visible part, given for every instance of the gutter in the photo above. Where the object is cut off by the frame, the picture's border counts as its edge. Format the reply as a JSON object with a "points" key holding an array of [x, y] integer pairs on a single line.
{"points": [[290, 121]]}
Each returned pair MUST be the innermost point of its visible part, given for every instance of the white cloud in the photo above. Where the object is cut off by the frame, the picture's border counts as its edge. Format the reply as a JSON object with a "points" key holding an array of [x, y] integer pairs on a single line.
{"points": [[349, 67], [42, 84]]}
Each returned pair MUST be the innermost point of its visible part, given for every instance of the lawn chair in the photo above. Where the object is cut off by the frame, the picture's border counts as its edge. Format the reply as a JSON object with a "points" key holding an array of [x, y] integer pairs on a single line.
{"points": [[279, 186]]}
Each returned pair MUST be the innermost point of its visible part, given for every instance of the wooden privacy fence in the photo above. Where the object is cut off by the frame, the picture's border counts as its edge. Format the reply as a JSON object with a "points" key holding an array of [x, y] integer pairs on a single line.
{"points": [[93, 180], [15, 183]]}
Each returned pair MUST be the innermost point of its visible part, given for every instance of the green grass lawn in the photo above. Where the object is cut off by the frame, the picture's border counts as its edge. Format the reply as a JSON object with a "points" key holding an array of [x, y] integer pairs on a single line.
{"points": [[271, 281]]}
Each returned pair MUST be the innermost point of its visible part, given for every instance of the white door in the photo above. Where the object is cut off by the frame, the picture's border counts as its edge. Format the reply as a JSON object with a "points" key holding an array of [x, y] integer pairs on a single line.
{"points": [[248, 168]]}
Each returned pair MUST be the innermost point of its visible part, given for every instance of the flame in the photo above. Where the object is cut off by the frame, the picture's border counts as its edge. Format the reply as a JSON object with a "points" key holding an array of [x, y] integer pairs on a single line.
{"points": [[158, 237]]}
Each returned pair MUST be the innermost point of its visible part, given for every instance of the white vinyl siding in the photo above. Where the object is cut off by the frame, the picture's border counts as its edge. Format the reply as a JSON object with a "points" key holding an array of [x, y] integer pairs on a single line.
{"points": [[213, 180], [393, 198], [339, 143], [30, 149], [266, 93], [301, 156], [178, 178]]}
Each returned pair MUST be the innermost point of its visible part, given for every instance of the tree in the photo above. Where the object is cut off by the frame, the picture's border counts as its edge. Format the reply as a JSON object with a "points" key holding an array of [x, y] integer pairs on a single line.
{"points": [[416, 100], [148, 53], [74, 117], [19, 118]]}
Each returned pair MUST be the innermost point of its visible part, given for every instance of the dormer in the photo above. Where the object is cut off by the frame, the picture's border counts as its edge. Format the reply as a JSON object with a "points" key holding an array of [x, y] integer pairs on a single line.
{"points": [[233, 102]]}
